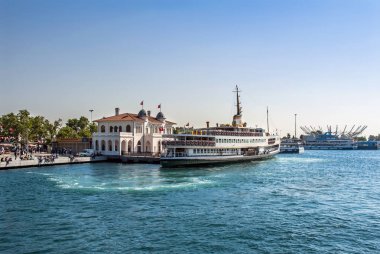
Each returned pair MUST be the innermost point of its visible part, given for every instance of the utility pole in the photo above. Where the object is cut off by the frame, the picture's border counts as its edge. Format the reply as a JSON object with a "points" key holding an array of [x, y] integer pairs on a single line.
{"points": [[295, 125], [267, 119]]}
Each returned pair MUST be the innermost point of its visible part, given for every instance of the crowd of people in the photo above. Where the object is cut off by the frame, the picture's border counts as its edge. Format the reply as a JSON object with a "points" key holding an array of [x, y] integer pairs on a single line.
{"points": [[46, 159], [12, 151], [7, 139], [7, 160]]}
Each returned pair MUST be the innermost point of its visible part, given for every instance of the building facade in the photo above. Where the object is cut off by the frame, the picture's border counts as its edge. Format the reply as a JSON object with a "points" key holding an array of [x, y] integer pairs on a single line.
{"points": [[129, 133]]}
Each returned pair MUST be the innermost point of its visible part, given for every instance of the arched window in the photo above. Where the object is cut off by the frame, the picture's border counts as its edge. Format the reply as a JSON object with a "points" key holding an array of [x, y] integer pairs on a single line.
{"points": [[109, 145], [111, 129], [128, 128], [103, 128], [120, 129], [103, 145], [96, 145], [115, 129], [116, 146]]}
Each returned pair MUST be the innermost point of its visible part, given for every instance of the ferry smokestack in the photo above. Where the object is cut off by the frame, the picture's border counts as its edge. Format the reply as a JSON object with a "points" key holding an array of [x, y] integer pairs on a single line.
{"points": [[117, 111], [217, 125], [208, 124]]}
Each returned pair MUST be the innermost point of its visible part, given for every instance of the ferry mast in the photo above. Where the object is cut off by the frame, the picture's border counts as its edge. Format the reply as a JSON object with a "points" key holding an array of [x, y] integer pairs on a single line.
{"points": [[237, 119]]}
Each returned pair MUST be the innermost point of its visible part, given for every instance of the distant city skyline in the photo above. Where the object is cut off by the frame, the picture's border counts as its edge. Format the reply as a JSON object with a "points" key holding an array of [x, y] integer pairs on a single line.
{"points": [[318, 59]]}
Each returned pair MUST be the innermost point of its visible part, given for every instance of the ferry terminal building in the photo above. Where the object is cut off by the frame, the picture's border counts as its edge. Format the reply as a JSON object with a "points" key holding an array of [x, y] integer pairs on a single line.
{"points": [[131, 134]]}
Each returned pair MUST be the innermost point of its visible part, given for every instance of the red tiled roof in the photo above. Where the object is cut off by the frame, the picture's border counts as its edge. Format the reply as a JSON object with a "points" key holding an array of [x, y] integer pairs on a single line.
{"points": [[129, 117]]}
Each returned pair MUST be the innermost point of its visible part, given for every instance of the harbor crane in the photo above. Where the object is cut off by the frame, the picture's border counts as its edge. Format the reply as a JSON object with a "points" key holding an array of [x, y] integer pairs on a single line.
{"points": [[354, 131]]}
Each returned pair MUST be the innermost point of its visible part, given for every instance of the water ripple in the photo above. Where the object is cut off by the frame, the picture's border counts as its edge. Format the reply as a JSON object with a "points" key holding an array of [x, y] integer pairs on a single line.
{"points": [[318, 202]]}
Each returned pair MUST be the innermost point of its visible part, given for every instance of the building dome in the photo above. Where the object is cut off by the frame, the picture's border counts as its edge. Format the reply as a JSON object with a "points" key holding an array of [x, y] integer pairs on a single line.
{"points": [[160, 116], [142, 113]]}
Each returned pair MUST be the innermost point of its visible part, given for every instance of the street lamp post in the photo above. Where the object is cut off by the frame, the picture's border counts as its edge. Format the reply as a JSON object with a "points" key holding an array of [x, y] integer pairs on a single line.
{"points": [[295, 125], [91, 110]]}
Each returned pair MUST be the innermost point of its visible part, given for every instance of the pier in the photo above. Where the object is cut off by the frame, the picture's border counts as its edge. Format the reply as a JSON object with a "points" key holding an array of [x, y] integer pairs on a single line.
{"points": [[58, 161]]}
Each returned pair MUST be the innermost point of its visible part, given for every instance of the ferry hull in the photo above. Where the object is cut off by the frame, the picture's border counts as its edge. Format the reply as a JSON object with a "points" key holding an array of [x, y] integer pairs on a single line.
{"points": [[330, 147], [202, 161], [293, 150]]}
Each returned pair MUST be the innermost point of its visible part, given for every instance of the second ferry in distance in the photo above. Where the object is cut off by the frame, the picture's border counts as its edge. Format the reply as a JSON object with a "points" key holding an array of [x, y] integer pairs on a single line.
{"points": [[220, 144]]}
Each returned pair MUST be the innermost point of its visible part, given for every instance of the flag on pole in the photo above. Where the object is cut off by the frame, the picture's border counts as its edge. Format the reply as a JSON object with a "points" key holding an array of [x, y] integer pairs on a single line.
{"points": [[142, 103], [159, 106], [187, 125]]}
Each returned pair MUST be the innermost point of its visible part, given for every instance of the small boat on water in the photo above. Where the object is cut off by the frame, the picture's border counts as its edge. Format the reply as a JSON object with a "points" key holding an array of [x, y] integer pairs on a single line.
{"points": [[368, 145], [329, 141], [291, 146], [221, 144]]}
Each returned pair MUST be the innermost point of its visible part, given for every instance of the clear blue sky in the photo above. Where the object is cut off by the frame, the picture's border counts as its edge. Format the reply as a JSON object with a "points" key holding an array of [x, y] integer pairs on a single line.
{"points": [[317, 58]]}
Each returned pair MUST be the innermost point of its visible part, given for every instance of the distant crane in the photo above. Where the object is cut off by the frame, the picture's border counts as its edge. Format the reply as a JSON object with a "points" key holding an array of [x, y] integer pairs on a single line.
{"points": [[355, 130]]}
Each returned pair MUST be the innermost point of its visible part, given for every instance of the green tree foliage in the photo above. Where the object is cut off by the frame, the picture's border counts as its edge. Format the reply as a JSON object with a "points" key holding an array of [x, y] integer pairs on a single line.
{"points": [[26, 128], [9, 123], [67, 132], [77, 128], [374, 138], [361, 139]]}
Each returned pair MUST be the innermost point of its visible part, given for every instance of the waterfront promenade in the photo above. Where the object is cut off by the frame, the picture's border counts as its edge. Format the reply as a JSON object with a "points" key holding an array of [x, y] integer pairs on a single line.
{"points": [[57, 161]]}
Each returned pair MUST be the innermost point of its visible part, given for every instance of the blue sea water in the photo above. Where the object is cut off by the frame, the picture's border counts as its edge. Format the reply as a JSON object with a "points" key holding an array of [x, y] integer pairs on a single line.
{"points": [[317, 202]]}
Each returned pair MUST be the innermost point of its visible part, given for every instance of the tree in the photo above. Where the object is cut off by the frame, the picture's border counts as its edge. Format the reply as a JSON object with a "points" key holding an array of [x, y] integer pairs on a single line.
{"points": [[374, 138], [361, 139], [77, 128], [9, 123], [53, 128], [38, 129], [67, 132]]}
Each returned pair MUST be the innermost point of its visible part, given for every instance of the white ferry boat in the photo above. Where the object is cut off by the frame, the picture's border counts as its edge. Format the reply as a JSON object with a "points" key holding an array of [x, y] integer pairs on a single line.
{"points": [[329, 141], [291, 146], [220, 144]]}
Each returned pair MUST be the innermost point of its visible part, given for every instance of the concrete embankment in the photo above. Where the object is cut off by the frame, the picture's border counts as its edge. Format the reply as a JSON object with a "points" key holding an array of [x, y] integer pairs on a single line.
{"points": [[140, 159], [58, 161]]}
